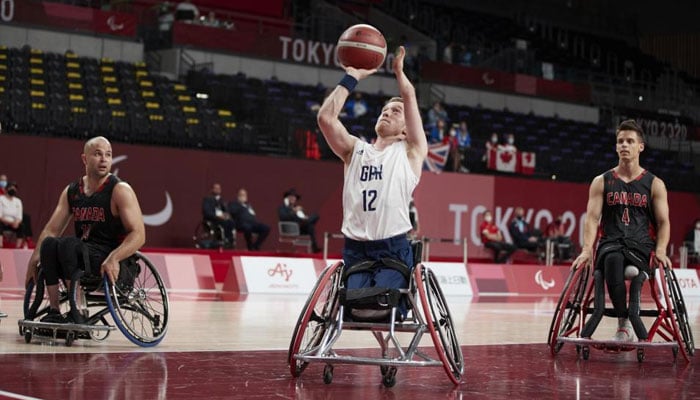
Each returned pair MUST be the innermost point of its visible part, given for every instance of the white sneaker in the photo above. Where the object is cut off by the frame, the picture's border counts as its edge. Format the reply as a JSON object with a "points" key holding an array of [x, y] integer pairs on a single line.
{"points": [[625, 333]]}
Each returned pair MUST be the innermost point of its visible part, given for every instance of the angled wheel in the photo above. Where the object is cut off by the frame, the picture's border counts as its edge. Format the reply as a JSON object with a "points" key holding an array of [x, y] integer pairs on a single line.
{"points": [[36, 300], [138, 302], [679, 313], [568, 308], [440, 324], [316, 317]]}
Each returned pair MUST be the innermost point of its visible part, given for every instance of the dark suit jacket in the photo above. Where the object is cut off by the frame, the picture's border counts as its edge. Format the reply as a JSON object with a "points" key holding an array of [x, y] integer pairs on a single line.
{"points": [[520, 239], [240, 213], [209, 206], [288, 214]]}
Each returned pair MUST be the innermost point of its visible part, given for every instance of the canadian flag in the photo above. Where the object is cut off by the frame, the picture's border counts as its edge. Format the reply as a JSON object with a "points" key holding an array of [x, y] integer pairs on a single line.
{"points": [[506, 160], [527, 163]]}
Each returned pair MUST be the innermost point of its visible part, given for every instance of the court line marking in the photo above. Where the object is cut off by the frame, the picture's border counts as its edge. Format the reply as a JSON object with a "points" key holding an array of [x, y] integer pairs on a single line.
{"points": [[17, 396]]}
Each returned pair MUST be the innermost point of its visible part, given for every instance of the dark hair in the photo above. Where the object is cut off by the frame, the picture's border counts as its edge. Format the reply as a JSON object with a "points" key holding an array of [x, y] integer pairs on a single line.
{"points": [[631, 125]]}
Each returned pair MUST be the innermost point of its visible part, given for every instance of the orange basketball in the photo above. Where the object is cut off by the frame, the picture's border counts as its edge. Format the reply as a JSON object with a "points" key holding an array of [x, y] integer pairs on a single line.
{"points": [[361, 46]]}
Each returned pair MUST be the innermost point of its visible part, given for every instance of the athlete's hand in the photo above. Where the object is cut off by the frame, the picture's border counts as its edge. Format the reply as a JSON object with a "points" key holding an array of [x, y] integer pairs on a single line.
{"points": [[582, 259], [359, 74], [32, 268], [111, 268], [662, 259]]}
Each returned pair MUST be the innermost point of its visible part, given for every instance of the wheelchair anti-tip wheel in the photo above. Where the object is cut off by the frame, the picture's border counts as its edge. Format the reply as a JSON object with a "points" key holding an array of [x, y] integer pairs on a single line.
{"points": [[138, 302], [320, 309], [439, 322]]}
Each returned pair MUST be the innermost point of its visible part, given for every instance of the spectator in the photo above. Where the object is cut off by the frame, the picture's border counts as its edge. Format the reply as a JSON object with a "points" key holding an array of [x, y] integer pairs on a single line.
{"points": [[210, 20], [463, 141], [492, 238], [243, 214], [437, 112], [214, 211], [437, 133], [448, 53], [292, 211], [523, 237], [186, 11], [556, 233], [510, 143], [3, 183], [692, 239], [491, 144], [356, 107], [11, 214]]}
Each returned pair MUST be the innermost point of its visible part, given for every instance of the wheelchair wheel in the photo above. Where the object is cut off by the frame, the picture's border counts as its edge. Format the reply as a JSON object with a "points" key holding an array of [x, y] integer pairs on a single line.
{"points": [[316, 317], [36, 301], [138, 303], [439, 321], [679, 312], [34, 297], [569, 307]]}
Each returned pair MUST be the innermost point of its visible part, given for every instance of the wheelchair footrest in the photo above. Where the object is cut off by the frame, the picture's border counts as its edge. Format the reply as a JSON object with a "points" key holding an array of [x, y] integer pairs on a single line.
{"points": [[60, 331], [615, 345]]}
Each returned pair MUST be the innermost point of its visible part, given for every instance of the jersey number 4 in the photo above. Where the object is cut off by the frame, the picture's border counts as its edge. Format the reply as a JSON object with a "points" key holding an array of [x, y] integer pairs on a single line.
{"points": [[368, 199], [626, 216]]}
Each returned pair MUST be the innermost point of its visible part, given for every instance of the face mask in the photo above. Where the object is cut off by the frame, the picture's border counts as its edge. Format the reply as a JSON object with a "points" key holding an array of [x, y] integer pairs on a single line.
{"points": [[12, 192], [217, 197], [488, 218], [511, 141], [494, 139], [452, 132], [3, 184]]}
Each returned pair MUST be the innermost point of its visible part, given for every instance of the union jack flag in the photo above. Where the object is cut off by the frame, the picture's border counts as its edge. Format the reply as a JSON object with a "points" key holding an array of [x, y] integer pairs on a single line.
{"points": [[437, 157]]}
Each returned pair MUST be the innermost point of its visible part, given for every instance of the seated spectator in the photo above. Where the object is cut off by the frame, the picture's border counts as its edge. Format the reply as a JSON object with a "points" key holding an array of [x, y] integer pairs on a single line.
{"points": [[491, 144], [11, 214], [242, 212], [437, 112], [510, 143], [461, 141], [214, 210], [492, 238], [438, 133], [523, 236], [356, 106], [692, 239], [290, 210], [557, 234], [3, 183]]}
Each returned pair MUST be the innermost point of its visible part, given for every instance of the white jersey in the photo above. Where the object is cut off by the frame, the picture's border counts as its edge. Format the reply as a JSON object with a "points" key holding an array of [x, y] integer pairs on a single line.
{"points": [[10, 208], [377, 192]]}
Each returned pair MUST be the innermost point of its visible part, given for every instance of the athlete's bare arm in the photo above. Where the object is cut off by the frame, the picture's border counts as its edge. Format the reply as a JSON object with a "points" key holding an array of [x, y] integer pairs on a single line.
{"points": [[415, 136], [125, 205], [659, 197], [594, 209]]}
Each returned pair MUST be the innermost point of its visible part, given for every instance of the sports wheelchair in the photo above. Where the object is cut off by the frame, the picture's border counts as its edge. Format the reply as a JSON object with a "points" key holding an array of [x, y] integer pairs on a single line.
{"points": [[137, 303], [578, 303], [208, 235], [325, 316]]}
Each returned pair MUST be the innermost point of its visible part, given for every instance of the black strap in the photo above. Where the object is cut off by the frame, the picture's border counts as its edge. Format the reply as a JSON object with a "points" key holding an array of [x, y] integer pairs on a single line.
{"points": [[372, 265]]}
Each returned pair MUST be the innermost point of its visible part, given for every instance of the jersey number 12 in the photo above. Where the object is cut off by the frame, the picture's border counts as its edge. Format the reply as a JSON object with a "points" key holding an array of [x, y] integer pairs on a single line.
{"points": [[368, 199]]}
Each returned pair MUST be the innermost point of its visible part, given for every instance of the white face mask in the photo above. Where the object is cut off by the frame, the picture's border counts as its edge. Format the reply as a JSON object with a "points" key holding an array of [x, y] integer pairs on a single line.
{"points": [[3, 184], [494, 139], [511, 140], [488, 218]]}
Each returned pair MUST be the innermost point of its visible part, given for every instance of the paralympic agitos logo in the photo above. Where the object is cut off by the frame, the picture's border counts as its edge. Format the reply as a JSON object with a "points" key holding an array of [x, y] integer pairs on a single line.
{"points": [[162, 216]]}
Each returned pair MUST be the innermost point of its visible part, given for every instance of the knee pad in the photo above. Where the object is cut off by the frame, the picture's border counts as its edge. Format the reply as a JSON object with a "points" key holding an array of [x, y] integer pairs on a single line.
{"points": [[631, 271]]}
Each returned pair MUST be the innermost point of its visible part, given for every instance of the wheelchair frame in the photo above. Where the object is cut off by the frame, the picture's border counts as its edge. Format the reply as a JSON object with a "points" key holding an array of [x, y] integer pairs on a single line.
{"points": [[322, 321], [139, 309], [575, 306]]}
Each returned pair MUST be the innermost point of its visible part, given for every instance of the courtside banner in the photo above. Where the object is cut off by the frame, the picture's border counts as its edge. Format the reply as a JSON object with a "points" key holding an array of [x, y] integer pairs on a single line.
{"points": [[688, 282], [452, 277], [278, 274]]}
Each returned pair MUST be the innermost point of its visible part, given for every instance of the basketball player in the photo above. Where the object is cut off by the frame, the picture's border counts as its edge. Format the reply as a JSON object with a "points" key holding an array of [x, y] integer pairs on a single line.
{"points": [[628, 205], [379, 178], [108, 226]]}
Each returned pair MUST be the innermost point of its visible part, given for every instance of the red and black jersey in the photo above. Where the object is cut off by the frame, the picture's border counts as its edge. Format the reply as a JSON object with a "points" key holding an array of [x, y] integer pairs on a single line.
{"points": [[92, 215], [628, 212]]}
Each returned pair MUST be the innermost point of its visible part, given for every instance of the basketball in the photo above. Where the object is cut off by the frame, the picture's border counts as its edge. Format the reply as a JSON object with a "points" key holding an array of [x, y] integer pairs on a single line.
{"points": [[361, 46]]}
